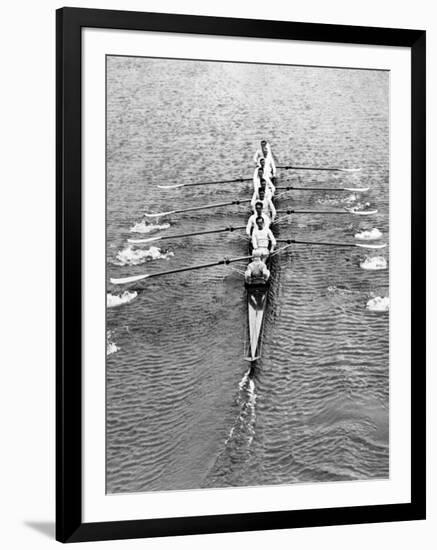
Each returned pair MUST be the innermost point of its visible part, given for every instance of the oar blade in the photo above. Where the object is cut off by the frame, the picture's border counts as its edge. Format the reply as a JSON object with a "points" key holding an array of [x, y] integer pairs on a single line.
{"points": [[371, 246], [176, 186], [140, 241], [126, 280], [158, 214], [363, 212], [357, 189]]}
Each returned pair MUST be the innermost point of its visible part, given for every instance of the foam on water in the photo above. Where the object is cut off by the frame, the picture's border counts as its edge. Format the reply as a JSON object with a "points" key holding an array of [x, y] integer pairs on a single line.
{"points": [[349, 199], [243, 431], [111, 347], [143, 227], [130, 256], [378, 303], [114, 300], [369, 235], [374, 263]]}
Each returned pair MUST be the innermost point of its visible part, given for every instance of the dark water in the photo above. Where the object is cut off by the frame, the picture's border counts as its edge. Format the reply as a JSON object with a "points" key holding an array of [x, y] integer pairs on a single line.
{"points": [[183, 410]]}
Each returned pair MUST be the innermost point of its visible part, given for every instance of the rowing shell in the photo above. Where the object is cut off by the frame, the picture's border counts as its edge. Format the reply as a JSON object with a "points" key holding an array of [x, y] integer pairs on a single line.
{"points": [[256, 305], [257, 292]]}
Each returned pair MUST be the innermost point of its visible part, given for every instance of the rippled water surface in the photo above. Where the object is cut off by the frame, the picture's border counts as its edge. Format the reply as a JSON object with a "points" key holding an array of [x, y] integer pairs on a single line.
{"points": [[183, 408]]}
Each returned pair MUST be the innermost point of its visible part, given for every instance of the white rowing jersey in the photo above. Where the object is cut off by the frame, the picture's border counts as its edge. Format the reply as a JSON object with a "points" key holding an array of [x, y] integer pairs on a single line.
{"points": [[257, 181], [268, 206], [270, 165], [261, 238], [251, 223]]}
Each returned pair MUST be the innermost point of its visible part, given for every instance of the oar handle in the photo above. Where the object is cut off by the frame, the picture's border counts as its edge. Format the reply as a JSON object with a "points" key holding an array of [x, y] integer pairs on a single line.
{"points": [[206, 206], [136, 278], [290, 167], [333, 243], [182, 235], [236, 180], [295, 241], [352, 212], [349, 189]]}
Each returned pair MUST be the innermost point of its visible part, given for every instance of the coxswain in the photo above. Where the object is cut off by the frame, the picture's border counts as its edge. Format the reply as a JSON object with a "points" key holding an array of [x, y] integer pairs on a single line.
{"points": [[251, 223], [263, 238], [257, 270], [264, 197]]}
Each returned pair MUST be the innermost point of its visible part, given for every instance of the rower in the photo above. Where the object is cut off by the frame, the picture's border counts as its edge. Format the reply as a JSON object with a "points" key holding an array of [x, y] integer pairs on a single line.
{"points": [[259, 174], [266, 153], [263, 239], [264, 197], [263, 186], [251, 223], [256, 271], [262, 152], [269, 190]]}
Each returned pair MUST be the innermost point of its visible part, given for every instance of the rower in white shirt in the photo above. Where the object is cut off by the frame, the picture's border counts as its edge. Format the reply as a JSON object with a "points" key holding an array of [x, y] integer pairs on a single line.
{"points": [[262, 152], [263, 187], [263, 239], [259, 174], [251, 223], [264, 196], [266, 152]]}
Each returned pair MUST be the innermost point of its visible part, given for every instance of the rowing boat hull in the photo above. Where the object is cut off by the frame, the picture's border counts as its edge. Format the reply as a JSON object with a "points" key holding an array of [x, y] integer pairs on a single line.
{"points": [[256, 305]]}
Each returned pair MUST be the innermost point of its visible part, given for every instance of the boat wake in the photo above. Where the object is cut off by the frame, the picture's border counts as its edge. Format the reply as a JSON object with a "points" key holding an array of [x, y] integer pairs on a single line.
{"points": [[143, 227], [374, 263], [369, 235], [243, 430], [129, 256], [378, 303], [115, 300]]}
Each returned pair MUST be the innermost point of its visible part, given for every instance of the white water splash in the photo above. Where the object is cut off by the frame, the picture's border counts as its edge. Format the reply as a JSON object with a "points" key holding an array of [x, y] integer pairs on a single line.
{"points": [[348, 199], [370, 235], [110, 346], [114, 300], [374, 263], [129, 256], [378, 303], [143, 227]]}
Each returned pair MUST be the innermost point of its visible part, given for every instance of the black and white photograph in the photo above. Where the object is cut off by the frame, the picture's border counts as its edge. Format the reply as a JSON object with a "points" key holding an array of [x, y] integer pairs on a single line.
{"points": [[247, 274]]}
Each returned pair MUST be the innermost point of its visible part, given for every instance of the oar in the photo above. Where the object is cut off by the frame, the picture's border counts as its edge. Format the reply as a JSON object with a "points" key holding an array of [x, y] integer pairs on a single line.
{"points": [[181, 235], [353, 212], [193, 208], [352, 189], [318, 168], [134, 278], [178, 185], [333, 243]]}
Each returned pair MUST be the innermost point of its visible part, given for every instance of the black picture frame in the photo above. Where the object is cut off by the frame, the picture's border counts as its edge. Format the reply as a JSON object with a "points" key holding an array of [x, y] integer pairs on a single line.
{"points": [[69, 524]]}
